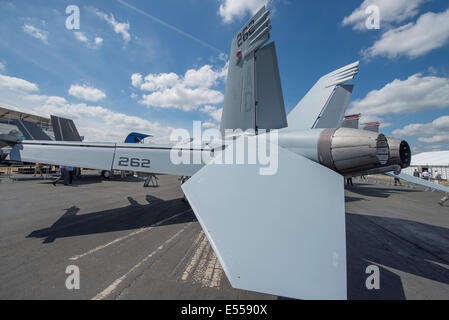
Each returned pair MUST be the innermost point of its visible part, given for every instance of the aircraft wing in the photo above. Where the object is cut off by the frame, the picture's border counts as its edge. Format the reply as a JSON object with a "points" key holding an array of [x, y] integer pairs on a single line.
{"points": [[325, 104], [282, 234], [106, 156], [419, 181]]}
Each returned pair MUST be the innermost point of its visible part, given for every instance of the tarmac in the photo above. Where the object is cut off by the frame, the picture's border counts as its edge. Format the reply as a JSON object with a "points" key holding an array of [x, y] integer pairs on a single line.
{"points": [[131, 242]]}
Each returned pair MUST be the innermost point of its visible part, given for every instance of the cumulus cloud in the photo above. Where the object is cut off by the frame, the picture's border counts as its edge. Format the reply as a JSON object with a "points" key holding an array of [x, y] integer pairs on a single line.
{"points": [[96, 123], [213, 112], [36, 32], [417, 93], [436, 131], [208, 125], [121, 28], [182, 97], [186, 92], [136, 80], [17, 85], [230, 9], [86, 92], [430, 32], [390, 11]]}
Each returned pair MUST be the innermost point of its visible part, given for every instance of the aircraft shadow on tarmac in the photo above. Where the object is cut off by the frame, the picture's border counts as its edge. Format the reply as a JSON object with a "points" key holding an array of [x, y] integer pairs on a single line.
{"points": [[131, 217], [377, 192], [83, 180], [91, 179], [406, 246], [403, 245]]}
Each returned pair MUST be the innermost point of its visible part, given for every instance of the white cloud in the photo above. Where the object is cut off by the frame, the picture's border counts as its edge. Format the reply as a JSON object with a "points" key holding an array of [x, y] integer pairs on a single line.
{"points": [[96, 123], [430, 32], [17, 85], [36, 32], [136, 80], [390, 11], [98, 41], [2, 66], [160, 81], [214, 112], [230, 9], [436, 131], [182, 97], [86, 92], [417, 93], [80, 36], [121, 28], [203, 77], [209, 125], [188, 92]]}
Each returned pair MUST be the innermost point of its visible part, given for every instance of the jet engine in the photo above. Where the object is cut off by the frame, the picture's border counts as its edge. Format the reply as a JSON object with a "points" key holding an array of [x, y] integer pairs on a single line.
{"points": [[349, 151], [400, 153]]}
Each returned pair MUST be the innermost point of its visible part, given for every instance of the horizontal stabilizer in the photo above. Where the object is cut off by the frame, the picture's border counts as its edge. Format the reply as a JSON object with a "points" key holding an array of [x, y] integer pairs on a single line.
{"points": [[282, 234]]}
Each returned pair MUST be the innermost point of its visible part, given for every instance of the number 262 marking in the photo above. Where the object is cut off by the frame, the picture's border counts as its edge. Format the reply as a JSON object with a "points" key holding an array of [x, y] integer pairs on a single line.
{"points": [[134, 162]]}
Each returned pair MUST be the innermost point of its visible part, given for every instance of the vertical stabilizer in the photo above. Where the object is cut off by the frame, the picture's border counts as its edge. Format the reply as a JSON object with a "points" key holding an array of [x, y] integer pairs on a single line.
{"points": [[351, 121], [253, 96], [64, 129]]}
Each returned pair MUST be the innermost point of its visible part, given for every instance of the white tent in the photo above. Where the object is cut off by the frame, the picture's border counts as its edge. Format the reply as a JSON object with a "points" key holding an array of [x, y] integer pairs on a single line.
{"points": [[432, 161]]}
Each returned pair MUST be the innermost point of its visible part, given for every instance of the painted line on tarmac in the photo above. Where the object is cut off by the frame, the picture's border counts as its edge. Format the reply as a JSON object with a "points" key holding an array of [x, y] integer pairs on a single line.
{"points": [[113, 286], [74, 258]]}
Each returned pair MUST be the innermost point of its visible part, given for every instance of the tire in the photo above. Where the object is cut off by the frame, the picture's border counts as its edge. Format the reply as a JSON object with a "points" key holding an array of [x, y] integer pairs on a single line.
{"points": [[106, 174]]}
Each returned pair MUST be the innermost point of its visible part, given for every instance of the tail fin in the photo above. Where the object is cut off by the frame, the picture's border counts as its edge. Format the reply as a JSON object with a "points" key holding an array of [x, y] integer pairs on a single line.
{"points": [[64, 129], [351, 121], [253, 98], [372, 126], [30, 130], [325, 104]]}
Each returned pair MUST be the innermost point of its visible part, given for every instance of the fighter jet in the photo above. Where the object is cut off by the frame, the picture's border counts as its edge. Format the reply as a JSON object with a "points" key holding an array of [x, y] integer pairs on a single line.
{"points": [[282, 233]]}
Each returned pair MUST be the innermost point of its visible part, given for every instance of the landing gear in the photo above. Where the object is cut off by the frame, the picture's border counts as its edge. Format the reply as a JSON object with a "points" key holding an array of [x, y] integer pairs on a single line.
{"points": [[106, 174]]}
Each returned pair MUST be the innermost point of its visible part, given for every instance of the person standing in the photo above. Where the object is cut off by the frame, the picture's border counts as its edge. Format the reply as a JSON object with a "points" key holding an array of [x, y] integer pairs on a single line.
{"points": [[426, 175], [416, 173], [64, 175], [349, 181], [70, 171], [437, 177], [38, 168]]}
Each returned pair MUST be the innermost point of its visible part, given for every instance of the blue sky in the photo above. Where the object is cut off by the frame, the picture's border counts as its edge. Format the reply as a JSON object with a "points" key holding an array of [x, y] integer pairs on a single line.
{"points": [[155, 65]]}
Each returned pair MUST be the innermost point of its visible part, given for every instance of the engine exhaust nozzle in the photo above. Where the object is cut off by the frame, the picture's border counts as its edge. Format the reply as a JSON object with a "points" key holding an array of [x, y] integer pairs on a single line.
{"points": [[348, 151], [400, 153]]}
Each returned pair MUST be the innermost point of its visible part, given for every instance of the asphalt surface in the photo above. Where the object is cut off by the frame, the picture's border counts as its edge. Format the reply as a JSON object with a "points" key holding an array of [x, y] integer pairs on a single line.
{"points": [[131, 242]]}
